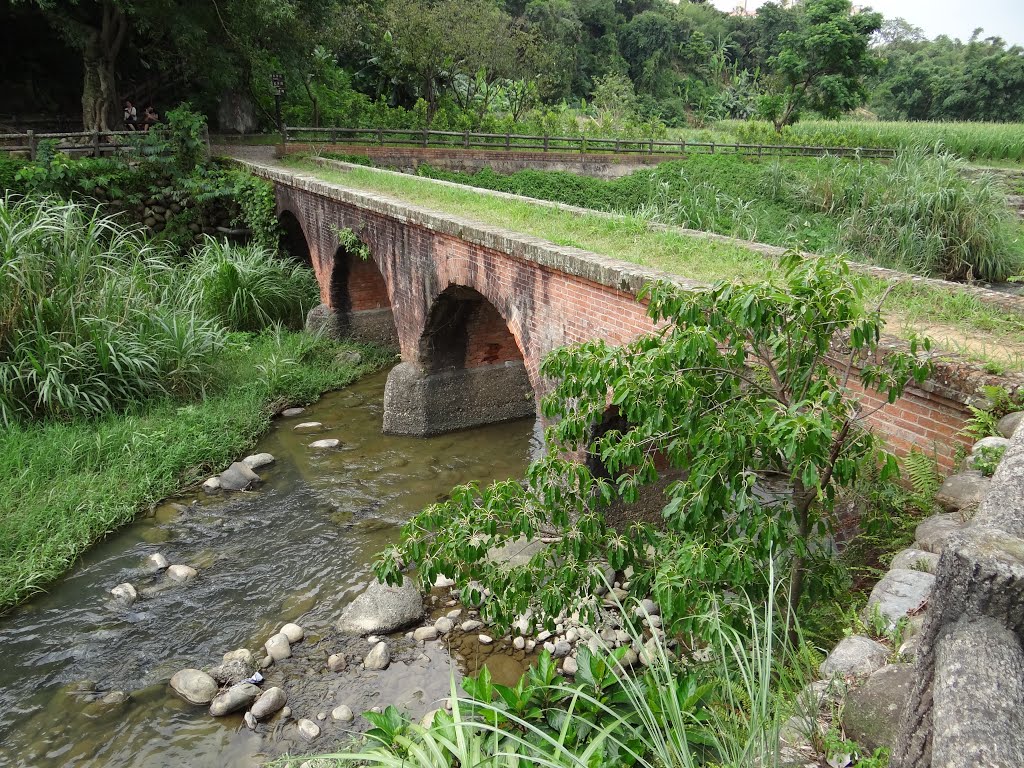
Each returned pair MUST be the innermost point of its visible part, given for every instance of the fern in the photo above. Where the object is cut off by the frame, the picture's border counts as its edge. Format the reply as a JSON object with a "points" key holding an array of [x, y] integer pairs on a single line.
{"points": [[924, 479]]}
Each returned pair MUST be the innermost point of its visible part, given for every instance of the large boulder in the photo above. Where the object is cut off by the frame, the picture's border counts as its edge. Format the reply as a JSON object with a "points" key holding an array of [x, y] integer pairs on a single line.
{"points": [[855, 656], [382, 609], [1009, 423], [194, 686], [963, 491], [236, 113], [871, 714], [915, 560], [238, 477], [900, 593], [932, 533]]}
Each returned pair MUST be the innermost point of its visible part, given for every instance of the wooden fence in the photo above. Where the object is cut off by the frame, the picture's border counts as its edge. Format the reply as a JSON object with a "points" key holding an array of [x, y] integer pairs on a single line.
{"points": [[581, 144], [94, 143]]}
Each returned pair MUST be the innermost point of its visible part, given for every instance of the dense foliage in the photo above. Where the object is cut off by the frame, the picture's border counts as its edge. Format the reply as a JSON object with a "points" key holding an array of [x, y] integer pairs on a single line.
{"points": [[463, 64], [734, 391]]}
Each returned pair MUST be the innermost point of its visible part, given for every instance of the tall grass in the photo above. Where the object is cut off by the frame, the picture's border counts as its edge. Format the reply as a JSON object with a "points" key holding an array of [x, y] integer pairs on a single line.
{"points": [[972, 141], [921, 214], [248, 288], [91, 316]]}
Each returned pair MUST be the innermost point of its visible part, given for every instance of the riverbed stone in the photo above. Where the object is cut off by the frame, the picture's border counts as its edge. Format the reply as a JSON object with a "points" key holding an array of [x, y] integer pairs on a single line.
{"points": [[871, 713], [308, 426], [243, 655], [115, 698], [326, 444], [292, 412], [270, 701], [157, 562], [470, 625], [913, 559], [519, 642], [963, 491], [856, 655], [233, 699], [231, 672], [515, 553], [293, 632], [238, 477], [426, 633], [278, 647], [932, 533], [212, 485], [485, 639], [194, 686], [382, 609], [343, 713], [378, 658], [337, 662], [444, 625], [1009, 423], [257, 460], [308, 729], [124, 593], [562, 649], [181, 573], [900, 593], [569, 666], [250, 721]]}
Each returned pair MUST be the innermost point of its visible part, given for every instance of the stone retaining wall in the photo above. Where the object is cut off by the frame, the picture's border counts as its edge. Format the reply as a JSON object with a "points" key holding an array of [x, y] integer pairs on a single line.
{"points": [[967, 706]]}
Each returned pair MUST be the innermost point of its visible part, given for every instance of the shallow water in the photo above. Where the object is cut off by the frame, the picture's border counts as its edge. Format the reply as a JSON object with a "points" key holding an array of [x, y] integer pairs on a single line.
{"points": [[297, 549]]}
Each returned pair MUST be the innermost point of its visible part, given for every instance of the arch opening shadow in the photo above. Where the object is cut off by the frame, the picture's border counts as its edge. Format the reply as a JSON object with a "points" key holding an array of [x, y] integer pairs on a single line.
{"points": [[358, 298], [464, 330], [293, 242]]}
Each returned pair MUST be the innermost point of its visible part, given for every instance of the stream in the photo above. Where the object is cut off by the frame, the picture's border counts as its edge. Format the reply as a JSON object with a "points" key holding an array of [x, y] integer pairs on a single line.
{"points": [[297, 549]]}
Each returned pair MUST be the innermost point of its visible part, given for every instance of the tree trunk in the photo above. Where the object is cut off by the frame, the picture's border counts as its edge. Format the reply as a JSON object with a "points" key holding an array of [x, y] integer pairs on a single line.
{"points": [[100, 49]]}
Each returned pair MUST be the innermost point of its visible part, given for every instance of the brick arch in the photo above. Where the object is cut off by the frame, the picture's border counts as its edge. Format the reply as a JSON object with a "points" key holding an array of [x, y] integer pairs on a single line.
{"points": [[464, 329]]}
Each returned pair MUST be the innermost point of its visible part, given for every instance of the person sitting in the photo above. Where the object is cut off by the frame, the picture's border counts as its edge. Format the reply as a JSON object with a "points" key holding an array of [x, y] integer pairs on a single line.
{"points": [[131, 116], [149, 117]]}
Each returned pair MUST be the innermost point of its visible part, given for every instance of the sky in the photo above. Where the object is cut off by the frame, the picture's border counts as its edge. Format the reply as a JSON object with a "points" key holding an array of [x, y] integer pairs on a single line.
{"points": [[954, 18]]}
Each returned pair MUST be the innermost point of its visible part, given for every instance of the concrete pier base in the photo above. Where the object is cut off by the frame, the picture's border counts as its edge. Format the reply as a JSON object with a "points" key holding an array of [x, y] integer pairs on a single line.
{"points": [[373, 326], [421, 404]]}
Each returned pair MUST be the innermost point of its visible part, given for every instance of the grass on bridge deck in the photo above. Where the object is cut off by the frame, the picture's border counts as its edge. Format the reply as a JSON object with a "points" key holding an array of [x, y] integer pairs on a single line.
{"points": [[957, 321]]}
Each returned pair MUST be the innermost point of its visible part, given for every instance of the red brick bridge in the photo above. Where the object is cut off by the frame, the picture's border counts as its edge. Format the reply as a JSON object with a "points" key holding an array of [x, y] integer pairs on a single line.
{"points": [[475, 309]]}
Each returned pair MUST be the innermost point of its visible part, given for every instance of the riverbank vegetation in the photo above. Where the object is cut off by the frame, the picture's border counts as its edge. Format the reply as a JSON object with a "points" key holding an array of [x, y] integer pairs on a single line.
{"points": [[961, 322], [129, 372]]}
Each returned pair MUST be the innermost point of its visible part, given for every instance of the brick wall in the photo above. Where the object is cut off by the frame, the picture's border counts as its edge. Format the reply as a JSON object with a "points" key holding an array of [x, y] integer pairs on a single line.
{"points": [[540, 297]]}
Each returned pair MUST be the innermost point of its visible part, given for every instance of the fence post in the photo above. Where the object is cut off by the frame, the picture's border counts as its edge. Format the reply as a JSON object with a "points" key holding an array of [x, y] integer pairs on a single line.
{"points": [[583, 144], [95, 143], [465, 139], [31, 144], [380, 136], [508, 138], [616, 146], [650, 149], [545, 142], [426, 138], [712, 147], [682, 147]]}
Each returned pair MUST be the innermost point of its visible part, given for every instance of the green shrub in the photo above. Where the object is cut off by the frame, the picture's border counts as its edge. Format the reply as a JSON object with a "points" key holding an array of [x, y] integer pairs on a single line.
{"points": [[249, 288], [91, 318]]}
